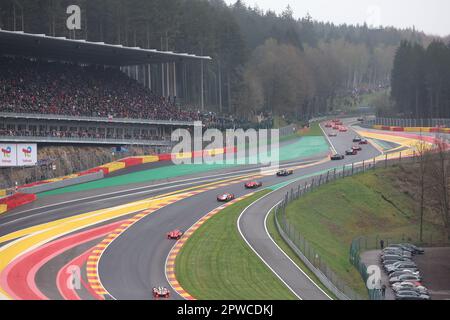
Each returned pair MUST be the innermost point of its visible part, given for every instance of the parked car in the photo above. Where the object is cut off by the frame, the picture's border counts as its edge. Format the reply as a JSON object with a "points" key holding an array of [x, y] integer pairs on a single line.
{"points": [[399, 265], [415, 249], [394, 257], [411, 295], [404, 277], [407, 247], [405, 271], [396, 251], [402, 286]]}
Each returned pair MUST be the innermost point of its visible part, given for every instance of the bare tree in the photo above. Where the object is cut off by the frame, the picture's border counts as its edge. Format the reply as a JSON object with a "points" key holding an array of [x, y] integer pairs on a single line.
{"points": [[422, 152], [439, 174]]}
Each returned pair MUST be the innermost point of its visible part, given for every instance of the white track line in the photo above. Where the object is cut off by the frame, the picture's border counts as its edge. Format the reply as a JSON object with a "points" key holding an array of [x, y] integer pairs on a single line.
{"points": [[150, 189], [329, 141], [262, 259], [268, 234]]}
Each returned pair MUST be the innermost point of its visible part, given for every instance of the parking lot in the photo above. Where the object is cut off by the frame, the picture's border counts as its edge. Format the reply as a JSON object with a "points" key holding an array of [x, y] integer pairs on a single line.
{"points": [[434, 266]]}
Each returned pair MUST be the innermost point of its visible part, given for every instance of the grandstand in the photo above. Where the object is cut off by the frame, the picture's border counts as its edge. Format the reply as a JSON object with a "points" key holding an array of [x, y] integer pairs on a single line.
{"points": [[58, 90]]}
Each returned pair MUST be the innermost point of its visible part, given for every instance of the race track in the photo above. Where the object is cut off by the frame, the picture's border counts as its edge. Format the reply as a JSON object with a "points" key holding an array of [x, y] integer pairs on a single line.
{"points": [[41, 242]]}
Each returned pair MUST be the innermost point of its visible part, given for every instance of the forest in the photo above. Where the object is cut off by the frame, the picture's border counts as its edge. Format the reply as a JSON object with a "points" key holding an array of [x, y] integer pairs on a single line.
{"points": [[421, 80], [263, 62]]}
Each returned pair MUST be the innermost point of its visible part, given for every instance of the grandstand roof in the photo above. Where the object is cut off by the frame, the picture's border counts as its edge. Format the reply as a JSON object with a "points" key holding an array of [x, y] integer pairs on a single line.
{"points": [[82, 51]]}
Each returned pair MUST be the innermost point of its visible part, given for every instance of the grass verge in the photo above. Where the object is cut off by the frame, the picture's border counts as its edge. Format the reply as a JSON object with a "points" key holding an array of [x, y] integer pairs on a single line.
{"points": [[285, 247], [370, 204], [313, 131], [216, 263]]}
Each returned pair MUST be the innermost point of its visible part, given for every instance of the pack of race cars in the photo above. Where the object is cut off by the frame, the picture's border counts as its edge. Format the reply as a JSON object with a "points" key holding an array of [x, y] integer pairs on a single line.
{"points": [[405, 278]]}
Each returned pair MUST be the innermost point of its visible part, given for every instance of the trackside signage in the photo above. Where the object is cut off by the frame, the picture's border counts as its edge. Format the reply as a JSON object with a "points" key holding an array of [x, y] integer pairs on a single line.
{"points": [[18, 155], [8, 155]]}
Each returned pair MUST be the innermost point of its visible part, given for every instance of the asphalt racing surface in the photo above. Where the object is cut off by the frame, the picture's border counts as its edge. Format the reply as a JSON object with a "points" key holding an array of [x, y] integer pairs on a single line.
{"points": [[134, 262]]}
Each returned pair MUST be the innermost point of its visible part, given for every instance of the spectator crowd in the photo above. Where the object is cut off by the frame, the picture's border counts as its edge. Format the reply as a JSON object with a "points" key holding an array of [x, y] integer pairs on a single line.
{"points": [[30, 86]]}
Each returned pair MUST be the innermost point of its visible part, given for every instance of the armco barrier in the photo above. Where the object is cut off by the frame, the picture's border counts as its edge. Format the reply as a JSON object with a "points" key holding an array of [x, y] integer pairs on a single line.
{"points": [[63, 183], [17, 200]]}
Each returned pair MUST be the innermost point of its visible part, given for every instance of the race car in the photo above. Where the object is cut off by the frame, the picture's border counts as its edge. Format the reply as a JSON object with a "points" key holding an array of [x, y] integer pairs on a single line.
{"points": [[225, 197], [363, 141], [328, 125], [337, 157], [161, 292], [332, 134], [174, 235], [284, 173], [343, 129], [357, 139], [253, 185], [335, 127], [351, 152], [357, 147]]}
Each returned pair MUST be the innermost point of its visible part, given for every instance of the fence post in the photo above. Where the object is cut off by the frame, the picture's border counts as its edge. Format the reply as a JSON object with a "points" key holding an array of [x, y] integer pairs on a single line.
{"points": [[400, 157], [385, 162], [364, 165], [353, 166]]}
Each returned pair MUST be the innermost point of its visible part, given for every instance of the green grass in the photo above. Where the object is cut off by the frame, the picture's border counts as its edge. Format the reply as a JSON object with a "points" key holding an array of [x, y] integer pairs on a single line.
{"points": [[284, 246], [314, 131], [216, 263], [368, 204]]}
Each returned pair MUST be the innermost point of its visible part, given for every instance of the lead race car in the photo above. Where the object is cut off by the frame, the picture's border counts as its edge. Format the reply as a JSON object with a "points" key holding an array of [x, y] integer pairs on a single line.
{"points": [[174, 235], [225, 197], [161, 292], [253, 185], [285, 173]]}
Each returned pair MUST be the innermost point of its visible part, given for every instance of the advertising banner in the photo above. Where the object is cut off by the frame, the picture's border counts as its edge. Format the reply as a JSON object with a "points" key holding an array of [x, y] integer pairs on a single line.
{"points": [[26, 154], [8, 155]]}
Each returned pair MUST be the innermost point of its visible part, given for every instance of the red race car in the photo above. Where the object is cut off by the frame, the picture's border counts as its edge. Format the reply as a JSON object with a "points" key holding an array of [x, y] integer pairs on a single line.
{"points": [[328, 125], [174, 235], [253, 185], [161, 292], [363, 141], [343, 129], [225, 197]]}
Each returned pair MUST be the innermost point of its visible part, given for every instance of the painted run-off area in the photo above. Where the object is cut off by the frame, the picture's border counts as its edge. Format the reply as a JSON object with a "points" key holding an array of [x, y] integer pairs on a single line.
{"points": [[301, 148]]}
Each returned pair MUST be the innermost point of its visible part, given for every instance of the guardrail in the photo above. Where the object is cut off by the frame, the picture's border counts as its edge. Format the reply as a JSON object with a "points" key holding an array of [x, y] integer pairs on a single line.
{"points": [[305, 250], [71, 140], [92, 119]]}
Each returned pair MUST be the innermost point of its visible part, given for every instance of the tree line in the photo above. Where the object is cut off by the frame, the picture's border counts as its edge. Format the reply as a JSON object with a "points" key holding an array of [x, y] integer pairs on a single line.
{"points": [[421, 80], [263, 62]]}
